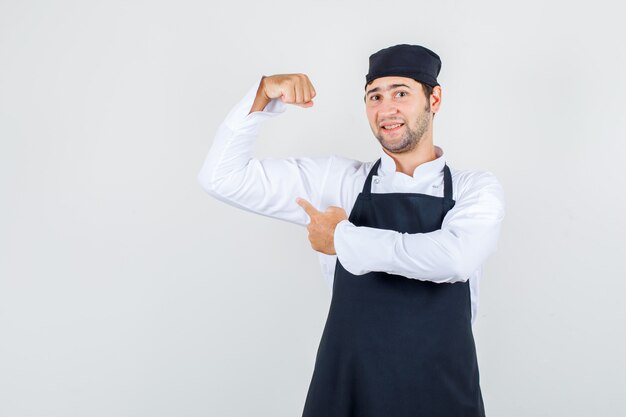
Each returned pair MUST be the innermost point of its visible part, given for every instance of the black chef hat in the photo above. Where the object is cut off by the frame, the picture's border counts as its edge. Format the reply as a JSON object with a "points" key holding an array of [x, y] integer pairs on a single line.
{"points": [[412, 61]]}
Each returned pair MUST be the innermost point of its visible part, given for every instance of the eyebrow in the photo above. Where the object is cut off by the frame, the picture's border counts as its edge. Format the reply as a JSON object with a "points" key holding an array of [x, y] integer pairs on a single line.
{"points": [[373, 90]]}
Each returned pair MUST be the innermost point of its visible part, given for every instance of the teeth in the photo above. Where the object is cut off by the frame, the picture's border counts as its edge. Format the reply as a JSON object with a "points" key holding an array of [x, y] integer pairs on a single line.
{"points": [[392, 126]]}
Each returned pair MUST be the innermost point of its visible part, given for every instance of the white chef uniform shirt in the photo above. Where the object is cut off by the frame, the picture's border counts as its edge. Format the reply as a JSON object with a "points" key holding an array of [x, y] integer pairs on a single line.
{"points": [[269, 187]]}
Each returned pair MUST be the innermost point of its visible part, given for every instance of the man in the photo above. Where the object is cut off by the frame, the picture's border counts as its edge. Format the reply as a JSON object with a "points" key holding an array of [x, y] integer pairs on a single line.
{"points": [[403, 266]]}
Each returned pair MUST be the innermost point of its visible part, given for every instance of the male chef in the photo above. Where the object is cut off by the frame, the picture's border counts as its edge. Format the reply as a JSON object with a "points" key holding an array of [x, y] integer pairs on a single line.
{"points": [[401, 240]]}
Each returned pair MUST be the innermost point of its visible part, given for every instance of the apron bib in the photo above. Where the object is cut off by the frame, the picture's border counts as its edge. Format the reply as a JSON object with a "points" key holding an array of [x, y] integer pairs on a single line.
{"points": [[394, 346]]}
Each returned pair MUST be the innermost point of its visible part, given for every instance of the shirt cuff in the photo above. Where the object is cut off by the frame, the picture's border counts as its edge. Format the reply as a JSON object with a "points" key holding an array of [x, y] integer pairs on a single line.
{"points": [[344, 233], [238, 117]]}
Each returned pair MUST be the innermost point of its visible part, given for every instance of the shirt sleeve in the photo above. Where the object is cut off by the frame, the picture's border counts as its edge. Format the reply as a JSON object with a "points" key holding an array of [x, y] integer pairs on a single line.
{"points": [[267, 186], [468, 235]]}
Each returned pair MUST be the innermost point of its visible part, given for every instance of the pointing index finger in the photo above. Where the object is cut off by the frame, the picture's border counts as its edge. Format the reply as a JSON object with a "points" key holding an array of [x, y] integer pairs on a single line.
{"points": [[308, 207]]}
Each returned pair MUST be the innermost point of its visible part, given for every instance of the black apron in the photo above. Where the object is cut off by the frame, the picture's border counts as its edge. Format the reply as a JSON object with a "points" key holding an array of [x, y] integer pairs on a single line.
{"points": [[395, 346]]}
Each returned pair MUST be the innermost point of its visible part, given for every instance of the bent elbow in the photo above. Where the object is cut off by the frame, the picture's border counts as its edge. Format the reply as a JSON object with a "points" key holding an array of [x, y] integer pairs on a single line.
{"points": [[460, 274], [210, 187], [460, 271], [460, 259]]}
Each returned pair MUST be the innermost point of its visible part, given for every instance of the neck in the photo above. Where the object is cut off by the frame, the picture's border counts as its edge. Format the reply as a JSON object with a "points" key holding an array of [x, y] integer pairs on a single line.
{"points": [[406, 162]]}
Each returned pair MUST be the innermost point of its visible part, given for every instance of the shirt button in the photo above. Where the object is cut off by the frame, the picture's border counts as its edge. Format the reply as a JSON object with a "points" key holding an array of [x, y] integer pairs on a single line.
{"points": [[376, 180]]}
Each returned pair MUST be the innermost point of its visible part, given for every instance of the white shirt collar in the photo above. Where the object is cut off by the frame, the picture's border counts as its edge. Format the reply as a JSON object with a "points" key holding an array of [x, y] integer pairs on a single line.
{"points": [[426, 169]]}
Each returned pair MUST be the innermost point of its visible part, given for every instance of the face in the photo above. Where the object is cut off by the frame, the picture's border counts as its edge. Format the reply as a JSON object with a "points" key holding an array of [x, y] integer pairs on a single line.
{"points": [[398, 100]]}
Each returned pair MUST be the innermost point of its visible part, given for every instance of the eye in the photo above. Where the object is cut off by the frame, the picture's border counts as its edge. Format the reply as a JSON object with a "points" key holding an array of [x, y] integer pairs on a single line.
{"points": [[372, 96], [402, 92]]}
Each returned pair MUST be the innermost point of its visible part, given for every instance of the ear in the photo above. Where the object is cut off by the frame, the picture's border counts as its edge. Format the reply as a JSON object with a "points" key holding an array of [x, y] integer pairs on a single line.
{"points": [[435, 99]]}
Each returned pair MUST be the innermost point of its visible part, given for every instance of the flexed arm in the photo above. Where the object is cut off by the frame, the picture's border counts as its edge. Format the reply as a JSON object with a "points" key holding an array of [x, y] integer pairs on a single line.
{"points": [[267, 186]]}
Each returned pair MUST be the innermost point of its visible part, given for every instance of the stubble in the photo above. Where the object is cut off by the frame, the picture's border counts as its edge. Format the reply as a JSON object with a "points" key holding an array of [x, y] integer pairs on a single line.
{"points": [[411, 136]]}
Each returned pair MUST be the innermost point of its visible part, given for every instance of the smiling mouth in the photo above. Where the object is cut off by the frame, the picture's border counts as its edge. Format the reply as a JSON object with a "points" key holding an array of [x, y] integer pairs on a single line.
{"points": [[395, 127]]}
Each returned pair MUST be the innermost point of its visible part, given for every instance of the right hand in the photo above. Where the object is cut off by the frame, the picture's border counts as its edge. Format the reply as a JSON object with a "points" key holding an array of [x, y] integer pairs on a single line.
{"points": [[289, 88]]}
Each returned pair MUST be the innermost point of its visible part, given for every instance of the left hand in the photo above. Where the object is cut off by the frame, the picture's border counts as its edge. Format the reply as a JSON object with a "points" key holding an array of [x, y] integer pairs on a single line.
{"points": [[322, 226]]}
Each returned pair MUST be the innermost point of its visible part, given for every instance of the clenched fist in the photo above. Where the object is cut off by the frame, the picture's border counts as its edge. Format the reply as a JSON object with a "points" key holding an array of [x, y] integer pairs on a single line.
{"points": [[322, 226], [289, 88]]}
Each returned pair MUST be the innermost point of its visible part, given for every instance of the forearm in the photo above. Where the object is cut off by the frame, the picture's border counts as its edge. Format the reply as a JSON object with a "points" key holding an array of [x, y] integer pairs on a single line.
{"points": [[438, 256], [467, 237], [234, 141]]}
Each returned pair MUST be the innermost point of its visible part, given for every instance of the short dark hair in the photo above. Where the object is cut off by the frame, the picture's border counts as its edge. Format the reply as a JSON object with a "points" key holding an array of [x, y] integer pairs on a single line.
{"points": [[428, 90]]}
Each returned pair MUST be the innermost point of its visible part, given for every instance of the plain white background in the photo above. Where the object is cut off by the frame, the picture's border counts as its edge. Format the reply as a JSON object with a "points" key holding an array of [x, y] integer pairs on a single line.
{"points": [[125, 290]]}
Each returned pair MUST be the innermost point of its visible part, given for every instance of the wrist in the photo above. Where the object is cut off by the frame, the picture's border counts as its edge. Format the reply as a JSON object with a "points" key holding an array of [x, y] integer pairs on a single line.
{"points": [[337, 232], [261, 100]]}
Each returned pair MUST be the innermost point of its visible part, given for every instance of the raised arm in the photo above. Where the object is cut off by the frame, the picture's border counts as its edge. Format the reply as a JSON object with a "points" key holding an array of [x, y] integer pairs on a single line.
{"points": [[467, 237], [267, 186]]}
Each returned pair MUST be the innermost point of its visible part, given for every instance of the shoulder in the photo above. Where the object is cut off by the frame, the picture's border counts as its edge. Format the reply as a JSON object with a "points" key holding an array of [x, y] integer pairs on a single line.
{"points": [[341, 165], [474, 179], [480, 188]]}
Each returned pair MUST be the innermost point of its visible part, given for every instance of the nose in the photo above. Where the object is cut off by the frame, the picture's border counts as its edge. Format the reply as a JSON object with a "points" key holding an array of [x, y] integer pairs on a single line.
{"points": [[387, 109]]}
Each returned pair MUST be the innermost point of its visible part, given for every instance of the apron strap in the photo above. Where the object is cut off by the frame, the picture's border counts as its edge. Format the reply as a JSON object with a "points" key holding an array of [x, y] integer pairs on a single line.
{"points": [[367, 187], [448, 202]]}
